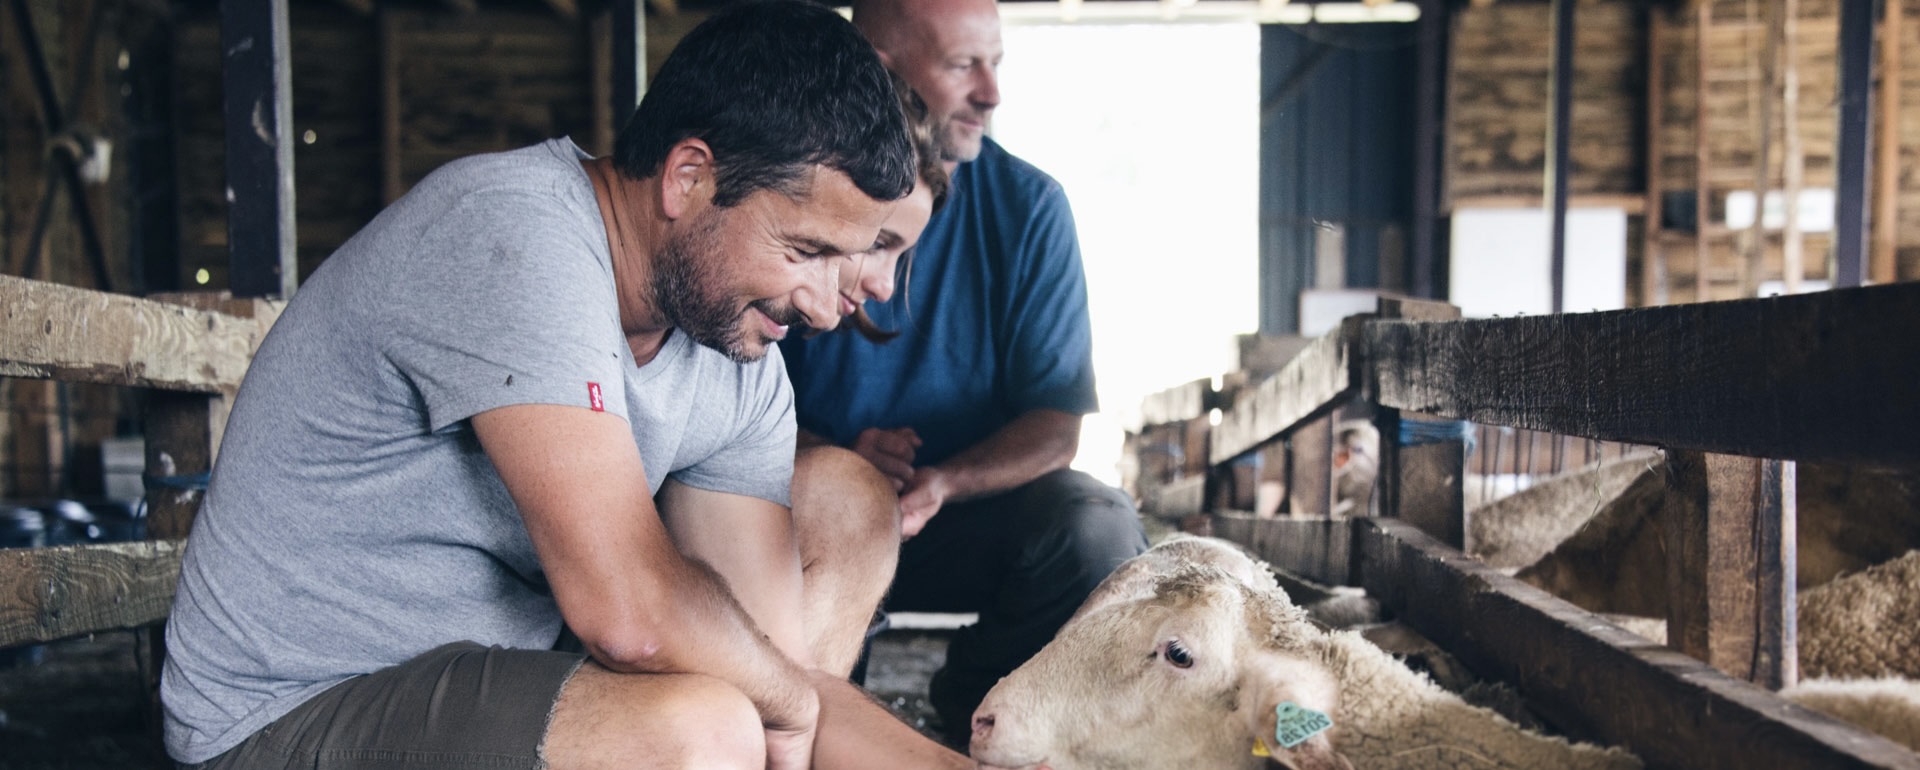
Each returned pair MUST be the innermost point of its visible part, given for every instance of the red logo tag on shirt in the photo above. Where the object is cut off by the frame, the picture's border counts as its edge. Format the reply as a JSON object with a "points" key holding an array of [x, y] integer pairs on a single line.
{"points": [[593, 397]]}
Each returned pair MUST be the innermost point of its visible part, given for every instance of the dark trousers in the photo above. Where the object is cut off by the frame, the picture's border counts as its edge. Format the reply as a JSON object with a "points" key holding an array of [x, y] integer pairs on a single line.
{"points": [[1025, 560]]}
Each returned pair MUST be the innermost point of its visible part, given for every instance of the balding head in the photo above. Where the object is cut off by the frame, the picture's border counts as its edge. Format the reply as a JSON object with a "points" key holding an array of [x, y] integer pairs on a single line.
{"points": [[949, 51]]}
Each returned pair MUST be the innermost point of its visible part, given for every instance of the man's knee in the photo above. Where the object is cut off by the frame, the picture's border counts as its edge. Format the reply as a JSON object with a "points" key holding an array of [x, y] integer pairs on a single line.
{"points": [[839, 495], [607, 719], [1094, 526]]}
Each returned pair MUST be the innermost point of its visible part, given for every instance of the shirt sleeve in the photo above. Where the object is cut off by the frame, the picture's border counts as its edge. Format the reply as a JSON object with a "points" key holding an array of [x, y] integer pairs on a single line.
{"points": [[512, 306], [758, 460], [1048, 346]]}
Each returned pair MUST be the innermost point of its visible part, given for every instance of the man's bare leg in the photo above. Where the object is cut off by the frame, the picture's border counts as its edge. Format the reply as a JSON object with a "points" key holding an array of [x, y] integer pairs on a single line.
{"points": [[847, 525], [610, 720]]}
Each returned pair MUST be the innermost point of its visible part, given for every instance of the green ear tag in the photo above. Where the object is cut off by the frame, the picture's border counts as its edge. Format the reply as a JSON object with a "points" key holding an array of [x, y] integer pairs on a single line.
{"points": [[1297, 723]]}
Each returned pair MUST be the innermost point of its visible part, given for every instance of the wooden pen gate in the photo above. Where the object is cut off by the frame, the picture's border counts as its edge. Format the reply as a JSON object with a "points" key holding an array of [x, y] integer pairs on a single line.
{"points": [[1735, 392], [188, 355]]}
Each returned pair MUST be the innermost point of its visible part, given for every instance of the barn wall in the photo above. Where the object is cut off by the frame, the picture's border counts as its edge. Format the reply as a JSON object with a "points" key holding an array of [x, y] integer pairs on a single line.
{"points": [[1497, 115], [46, 427]]}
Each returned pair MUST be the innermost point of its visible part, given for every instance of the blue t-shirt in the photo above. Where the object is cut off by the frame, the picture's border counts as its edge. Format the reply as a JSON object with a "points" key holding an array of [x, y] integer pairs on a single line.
{"points": [[993, 321]]}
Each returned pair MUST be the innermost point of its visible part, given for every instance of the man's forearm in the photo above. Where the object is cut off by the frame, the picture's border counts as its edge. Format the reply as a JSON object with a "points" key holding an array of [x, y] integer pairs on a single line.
{"points": [[1032, 445]]}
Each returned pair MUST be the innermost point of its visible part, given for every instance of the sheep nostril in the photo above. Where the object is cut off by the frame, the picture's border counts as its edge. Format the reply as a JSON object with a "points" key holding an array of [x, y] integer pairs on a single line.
{"points": [[982, 725]]}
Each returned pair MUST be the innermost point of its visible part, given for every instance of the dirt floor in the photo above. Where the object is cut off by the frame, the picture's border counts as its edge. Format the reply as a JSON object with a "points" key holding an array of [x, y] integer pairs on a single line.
{"points": [[81, 706]]}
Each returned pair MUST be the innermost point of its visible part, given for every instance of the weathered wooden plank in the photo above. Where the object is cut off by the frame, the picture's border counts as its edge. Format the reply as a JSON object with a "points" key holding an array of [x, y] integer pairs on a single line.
{"points": [[1174, 499], [1815, 377], [1728, 600], [1310, 474], [48, 331], [1421, 484], [1595, 679], [1181, 402], [1317, 548], [54, 593], [1310, 385]]}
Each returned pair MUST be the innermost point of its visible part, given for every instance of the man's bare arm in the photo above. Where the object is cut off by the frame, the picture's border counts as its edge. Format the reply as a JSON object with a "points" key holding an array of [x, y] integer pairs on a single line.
{"points": [[1032, 445], [636, 603]]}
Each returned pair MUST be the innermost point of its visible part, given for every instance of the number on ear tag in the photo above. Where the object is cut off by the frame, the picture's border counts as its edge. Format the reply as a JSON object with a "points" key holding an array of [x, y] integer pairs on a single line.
{"points": [[1296, 723]]}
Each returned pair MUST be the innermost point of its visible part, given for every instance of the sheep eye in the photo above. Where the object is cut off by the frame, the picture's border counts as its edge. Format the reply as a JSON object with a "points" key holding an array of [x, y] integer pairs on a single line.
{"points": [[1178, 655]]}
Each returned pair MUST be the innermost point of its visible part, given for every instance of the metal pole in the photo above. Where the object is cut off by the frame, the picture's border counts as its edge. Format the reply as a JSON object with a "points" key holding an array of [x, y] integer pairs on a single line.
{"points": [[629, 58], [1850, 150], [1558, 135]]}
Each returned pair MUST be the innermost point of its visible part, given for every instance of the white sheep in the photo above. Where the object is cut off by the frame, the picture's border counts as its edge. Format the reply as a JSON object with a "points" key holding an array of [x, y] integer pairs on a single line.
{"points": [[1866, 624], [1181, 659], [1890, 706]]}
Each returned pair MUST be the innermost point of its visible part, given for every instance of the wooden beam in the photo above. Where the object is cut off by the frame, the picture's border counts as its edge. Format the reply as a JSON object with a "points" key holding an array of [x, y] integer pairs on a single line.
{"points": [[1850, 162], [1422, 485], [1317, 548], [567, 9], [1180, 497], [258, 76], [1702, 253], [1794, 165], [1814, 377], [1730, 560], [1310, 385], [48, 331], [1178, 403], [1761, 97], [1886, 171], [1597, 680], [1310, 475], [1653, 259], [392, 186], [48, 594]]}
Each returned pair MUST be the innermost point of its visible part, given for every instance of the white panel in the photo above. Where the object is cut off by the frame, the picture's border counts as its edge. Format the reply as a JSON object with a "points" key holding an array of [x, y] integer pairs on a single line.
{"points": [[1500, 262]]}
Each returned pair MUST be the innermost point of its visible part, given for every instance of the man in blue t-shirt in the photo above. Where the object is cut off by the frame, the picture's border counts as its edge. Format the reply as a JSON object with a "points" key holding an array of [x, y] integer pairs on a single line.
{"points": [[974, 411]]}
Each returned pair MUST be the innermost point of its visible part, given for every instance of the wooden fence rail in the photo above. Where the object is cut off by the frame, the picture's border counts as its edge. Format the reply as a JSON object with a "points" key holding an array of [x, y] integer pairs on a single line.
{"points": [[1735, 391], [190, 353]]}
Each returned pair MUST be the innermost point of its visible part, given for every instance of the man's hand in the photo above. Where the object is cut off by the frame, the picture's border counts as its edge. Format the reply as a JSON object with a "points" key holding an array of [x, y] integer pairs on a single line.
{"points": [[890, 450], [922, 498], [790, 742]]}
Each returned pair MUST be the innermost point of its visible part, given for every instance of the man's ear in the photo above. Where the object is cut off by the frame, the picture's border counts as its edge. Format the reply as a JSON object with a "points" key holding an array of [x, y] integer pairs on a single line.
{"points": [[1270, 679], [686, 177], [886, 59]]}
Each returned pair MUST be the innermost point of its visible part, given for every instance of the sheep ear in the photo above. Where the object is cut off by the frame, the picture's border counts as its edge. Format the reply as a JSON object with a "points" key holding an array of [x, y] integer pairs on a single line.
{"points": [[1271, 683]]}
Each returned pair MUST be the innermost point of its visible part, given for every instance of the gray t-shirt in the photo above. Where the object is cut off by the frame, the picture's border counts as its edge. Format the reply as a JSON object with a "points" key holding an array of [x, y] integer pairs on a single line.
{"points": [[354, 522]]}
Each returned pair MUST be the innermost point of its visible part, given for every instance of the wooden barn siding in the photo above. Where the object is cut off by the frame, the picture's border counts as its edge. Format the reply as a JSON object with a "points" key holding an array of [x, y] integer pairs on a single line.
{"points": [[1498, 111], [1497, 108], [37, 442], [469, 83]]}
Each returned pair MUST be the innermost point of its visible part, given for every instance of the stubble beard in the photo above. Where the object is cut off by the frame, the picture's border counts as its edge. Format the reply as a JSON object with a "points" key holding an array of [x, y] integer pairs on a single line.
{"points": [[688, 282]]}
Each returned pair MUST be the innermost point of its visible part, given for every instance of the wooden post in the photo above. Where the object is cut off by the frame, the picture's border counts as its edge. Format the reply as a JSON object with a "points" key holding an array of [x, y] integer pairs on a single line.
{"points": [[259, 121], [1763, 95], [1310, 483], [1702, 20], [1730, 565], [1428, 235], [1653, 261], [1792, 259], [1559, 137], [1423, 484], [1850, 144], [600, 82], [391, 184], [1886, 172]]}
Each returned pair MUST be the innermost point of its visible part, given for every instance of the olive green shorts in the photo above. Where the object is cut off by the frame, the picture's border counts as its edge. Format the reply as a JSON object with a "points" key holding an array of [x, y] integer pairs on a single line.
{"points": [[458, 706]]}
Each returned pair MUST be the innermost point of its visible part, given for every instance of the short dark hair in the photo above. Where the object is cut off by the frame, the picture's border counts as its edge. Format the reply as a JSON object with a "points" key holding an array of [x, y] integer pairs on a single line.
{"points": [[775, 87]]}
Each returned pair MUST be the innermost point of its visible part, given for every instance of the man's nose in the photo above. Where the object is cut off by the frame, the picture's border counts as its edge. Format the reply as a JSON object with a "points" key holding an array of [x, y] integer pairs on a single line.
{"points": [[986, 88], [820, 301]]}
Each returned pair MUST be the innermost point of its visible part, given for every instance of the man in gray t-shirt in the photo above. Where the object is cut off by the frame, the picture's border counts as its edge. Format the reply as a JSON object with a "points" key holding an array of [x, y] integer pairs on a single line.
{"points": [[541, 390]]}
